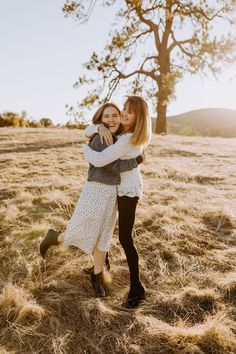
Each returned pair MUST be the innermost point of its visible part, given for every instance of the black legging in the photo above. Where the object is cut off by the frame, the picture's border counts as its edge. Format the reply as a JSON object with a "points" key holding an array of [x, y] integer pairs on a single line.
{"points": [[127, 208]]}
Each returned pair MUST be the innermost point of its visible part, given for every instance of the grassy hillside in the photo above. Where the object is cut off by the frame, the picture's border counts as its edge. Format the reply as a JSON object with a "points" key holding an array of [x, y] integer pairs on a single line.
{"points": [[219, 122], [185, 234]]}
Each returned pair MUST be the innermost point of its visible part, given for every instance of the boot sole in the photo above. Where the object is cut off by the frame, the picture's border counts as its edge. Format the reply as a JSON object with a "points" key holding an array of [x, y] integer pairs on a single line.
{"points": [[134, 303]]}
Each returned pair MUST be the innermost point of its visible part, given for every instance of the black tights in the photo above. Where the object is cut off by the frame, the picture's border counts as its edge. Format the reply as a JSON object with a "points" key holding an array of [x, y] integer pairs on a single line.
{"points": [[127, 208]]}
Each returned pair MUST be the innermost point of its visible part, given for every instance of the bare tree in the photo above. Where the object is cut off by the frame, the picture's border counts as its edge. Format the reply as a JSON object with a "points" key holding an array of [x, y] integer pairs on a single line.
{"points": [[154, 44]]}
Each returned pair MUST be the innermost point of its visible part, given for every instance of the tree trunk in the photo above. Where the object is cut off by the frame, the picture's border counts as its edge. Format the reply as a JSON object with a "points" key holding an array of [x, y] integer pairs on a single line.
{"points": [[161, 116], [163, 93]]}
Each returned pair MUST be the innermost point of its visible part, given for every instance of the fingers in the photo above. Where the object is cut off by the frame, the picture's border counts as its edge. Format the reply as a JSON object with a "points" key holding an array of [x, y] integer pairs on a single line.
{"points": [[108, 138], [100, 129], [105, 135]]}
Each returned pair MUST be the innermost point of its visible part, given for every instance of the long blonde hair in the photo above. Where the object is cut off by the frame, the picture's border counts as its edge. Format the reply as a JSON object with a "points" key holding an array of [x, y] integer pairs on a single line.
{"points": [[142, 126]]}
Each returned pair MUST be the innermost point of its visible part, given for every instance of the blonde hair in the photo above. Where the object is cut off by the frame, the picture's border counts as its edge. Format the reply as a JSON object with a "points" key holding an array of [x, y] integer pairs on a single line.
{"points": [[142, 126]]}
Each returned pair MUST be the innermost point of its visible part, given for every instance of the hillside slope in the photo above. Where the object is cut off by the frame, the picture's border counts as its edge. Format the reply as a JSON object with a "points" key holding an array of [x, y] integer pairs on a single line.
{"points": [[219, 122], [185, 234]]}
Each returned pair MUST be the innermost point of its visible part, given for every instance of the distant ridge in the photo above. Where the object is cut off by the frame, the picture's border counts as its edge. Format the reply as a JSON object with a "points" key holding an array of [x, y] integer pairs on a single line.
{"points": [[204, 122]]}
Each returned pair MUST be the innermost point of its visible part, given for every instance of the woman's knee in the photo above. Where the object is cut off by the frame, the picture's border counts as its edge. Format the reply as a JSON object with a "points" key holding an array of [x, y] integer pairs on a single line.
{"points": [[126, 241], [122, 240]]}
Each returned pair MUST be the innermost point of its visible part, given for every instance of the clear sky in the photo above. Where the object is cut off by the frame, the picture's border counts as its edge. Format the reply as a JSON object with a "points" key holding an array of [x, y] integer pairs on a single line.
{"points": [[42, 54]]}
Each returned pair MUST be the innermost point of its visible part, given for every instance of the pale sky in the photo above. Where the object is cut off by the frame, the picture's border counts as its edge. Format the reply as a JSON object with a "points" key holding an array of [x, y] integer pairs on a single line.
{"points": [[42, 54]]}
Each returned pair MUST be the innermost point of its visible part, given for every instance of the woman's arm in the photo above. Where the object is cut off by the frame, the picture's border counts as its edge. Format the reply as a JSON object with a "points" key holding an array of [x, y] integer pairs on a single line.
{"points": [[119, 165], [105, 134], [111, 153], [90, 131]]}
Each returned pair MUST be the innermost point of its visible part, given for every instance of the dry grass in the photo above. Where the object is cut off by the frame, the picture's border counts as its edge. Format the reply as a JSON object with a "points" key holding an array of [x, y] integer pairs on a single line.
{"points": [[185, 233]]}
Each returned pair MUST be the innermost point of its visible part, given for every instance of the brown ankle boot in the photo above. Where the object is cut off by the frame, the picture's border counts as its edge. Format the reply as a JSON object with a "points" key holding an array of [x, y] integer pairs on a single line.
{"points": [[97, 283], [50, 239]]}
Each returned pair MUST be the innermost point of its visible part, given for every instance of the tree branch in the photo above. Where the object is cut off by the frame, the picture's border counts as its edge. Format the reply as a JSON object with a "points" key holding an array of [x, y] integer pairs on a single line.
{"points": [[155, 57], [153, 27], [177, 43], [121, 75], [200, 58], [138, 36], [190, 10]]}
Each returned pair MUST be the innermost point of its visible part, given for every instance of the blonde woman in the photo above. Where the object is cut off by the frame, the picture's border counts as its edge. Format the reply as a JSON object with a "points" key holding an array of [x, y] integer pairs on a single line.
{"points": [[92, 223], [136, 124]]}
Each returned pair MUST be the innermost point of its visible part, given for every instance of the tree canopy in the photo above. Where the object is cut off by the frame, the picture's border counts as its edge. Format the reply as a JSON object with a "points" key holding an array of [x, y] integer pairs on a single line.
{"points": [[154, 44]]}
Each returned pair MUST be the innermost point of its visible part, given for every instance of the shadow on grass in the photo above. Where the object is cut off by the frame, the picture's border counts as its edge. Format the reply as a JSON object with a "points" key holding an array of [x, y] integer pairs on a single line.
{"points": [[40, 146]]}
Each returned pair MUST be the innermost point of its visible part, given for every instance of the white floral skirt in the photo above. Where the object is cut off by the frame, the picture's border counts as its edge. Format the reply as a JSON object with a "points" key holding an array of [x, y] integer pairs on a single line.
{"points": [[93, 221]]}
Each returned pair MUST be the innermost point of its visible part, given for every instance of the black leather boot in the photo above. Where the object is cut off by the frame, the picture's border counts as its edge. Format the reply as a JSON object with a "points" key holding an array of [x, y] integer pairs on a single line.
{"points": [[50, 239], [135, 296], [107, 262], [97, 283]]}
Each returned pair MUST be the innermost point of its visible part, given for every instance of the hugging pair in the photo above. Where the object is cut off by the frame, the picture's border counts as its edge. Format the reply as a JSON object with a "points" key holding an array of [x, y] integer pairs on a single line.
{"points": [[117, 140]]}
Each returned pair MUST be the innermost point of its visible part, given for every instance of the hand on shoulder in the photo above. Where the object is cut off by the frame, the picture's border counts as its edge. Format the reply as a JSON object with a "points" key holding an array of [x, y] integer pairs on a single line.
{"points": [[105, 134]]}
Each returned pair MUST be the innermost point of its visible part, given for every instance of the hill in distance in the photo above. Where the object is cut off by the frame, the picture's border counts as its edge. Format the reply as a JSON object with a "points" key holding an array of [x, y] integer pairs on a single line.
{"points": [[218, 122]]}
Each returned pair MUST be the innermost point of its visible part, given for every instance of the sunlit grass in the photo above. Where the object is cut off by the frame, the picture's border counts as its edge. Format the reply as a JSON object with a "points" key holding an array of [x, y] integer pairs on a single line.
{"points": [[184, 231]]}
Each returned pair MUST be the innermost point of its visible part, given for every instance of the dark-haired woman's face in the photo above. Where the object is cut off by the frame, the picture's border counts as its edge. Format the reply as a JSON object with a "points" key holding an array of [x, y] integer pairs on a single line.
{"points": [[128, 117], [111, 119]]}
